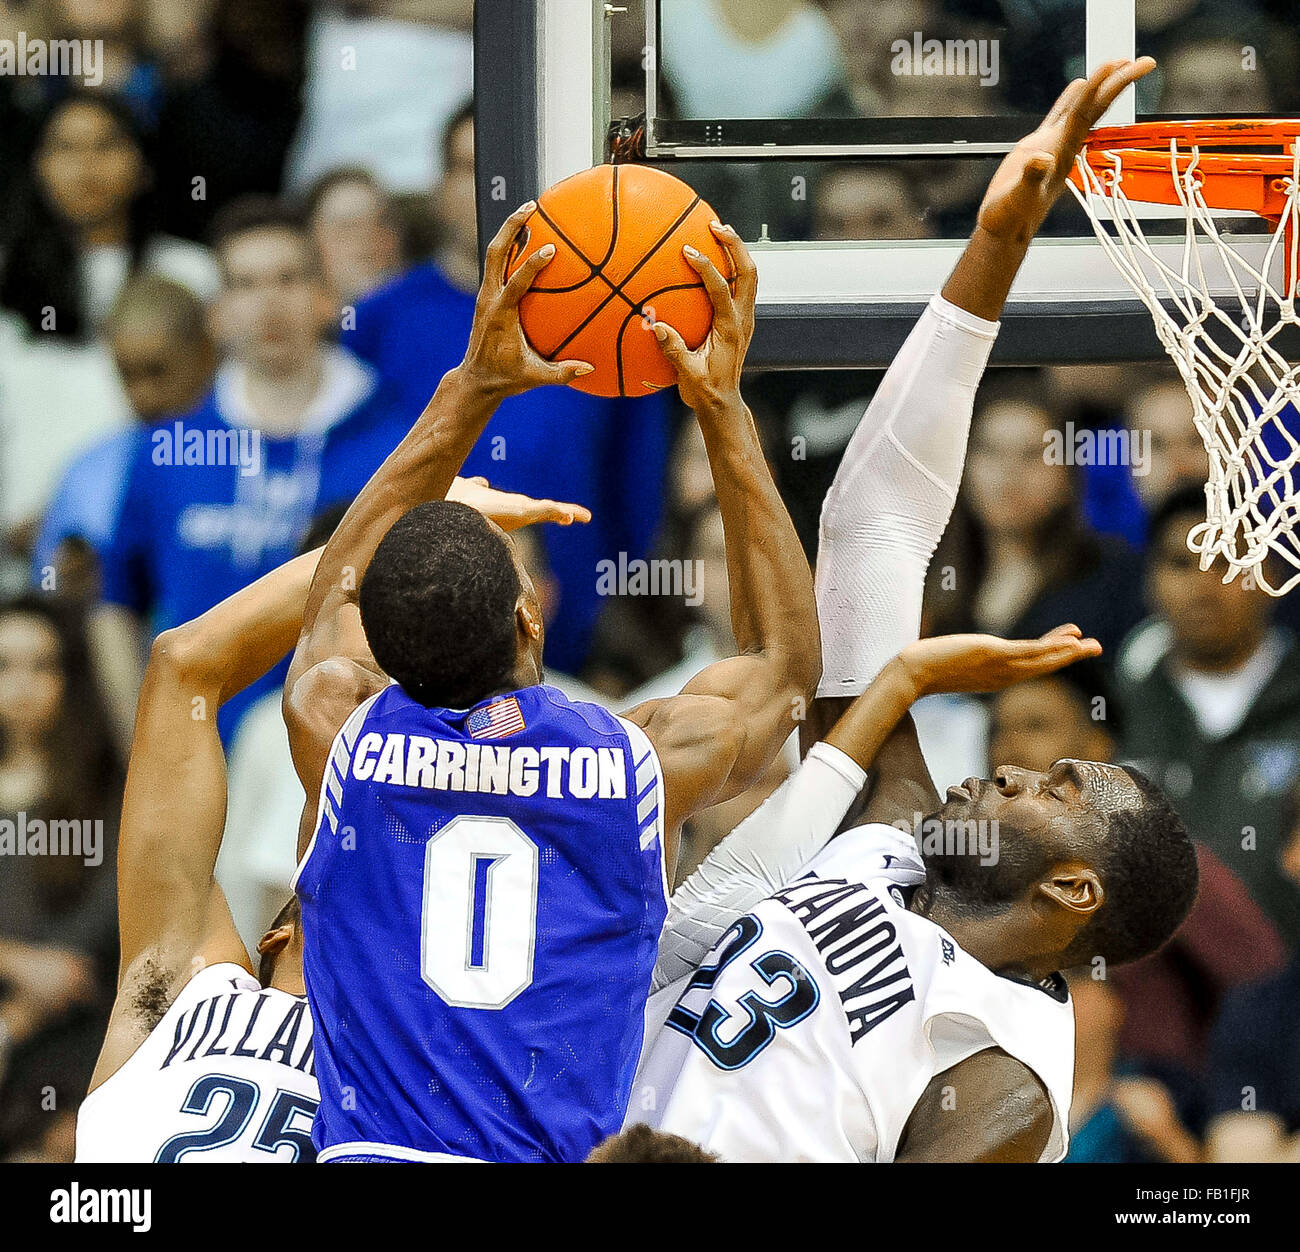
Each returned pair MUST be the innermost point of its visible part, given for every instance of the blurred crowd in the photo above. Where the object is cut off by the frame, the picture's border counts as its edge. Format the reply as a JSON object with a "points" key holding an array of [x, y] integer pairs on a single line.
{"points": [[233, 270], [831, 59]]}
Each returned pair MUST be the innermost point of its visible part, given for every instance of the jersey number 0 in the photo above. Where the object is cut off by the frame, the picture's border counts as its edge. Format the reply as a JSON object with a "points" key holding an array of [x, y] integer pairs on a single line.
{"points": [[478, 924]]}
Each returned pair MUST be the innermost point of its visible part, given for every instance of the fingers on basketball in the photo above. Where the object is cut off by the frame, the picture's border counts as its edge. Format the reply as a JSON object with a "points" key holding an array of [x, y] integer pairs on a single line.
{"points": [[744, 280], [718, 288], [671, 343], [524, 277], [502, 247], [620, 268]]}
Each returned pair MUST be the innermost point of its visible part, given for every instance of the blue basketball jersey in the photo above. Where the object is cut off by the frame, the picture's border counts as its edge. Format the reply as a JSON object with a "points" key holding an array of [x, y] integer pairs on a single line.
{"points": [[481, 904]]}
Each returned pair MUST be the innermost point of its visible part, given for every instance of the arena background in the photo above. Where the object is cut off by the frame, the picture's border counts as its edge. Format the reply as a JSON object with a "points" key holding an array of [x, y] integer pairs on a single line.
{"points": [[116, 323]]}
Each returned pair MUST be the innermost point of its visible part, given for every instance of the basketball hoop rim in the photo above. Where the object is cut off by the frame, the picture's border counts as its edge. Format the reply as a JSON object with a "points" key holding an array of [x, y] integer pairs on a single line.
{"points": [[1142, 158]]}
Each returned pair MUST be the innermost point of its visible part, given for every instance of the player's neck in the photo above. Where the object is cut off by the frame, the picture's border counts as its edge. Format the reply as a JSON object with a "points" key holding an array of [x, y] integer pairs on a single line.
{"points": [[287, 977], [993, 941]]}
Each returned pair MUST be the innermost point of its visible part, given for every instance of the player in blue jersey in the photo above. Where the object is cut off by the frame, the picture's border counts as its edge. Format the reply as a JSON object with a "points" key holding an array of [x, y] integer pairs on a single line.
{"points": [[485, 884], [202, 1061]]}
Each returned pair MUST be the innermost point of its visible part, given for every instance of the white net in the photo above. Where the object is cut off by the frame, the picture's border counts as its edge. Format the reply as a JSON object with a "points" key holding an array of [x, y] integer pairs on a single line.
{"points": [[1221, 316]]}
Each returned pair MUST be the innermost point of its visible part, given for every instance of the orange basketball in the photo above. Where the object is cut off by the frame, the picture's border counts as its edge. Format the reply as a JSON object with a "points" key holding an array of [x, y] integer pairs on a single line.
{"points": [[618, 232]]}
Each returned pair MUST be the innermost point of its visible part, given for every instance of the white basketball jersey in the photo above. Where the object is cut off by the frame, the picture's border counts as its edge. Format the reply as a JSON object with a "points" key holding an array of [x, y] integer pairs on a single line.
{"points": [[814, 1025], [227, 1075]]}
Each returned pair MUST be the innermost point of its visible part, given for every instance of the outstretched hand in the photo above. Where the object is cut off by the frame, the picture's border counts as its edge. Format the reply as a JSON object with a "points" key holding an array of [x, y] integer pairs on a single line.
{"points": [[983, 663], [1034, 173], [712, 372], [499, 359], [512, 511]]}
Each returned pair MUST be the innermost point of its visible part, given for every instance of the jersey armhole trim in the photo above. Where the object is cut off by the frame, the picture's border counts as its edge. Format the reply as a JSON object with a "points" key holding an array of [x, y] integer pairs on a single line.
{"points": [[341, 745], [640, 744]]}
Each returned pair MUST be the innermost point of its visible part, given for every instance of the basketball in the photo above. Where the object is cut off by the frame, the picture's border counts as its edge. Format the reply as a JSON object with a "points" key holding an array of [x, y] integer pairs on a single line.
{"points": [[618, 232]]}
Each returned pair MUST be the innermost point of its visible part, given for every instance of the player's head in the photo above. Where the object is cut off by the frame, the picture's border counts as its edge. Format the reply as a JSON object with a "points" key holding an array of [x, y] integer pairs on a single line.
{"points": [[449, 610], [639, 1145], [1215, 625], [1083, 860], [280, 949], [275, 305]]}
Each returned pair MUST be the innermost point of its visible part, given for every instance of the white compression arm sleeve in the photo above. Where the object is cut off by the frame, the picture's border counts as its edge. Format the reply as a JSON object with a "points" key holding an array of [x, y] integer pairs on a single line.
{"points": [[893, 495], [885, 514], [759, 857]]}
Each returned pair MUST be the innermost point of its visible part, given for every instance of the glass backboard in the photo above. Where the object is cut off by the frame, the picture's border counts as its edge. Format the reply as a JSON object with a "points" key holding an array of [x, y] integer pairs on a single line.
{"points": [[849, 141]]}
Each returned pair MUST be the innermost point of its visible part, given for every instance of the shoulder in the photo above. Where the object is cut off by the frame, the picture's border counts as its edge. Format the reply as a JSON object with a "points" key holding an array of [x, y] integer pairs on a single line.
{"points": [[323, 698]]}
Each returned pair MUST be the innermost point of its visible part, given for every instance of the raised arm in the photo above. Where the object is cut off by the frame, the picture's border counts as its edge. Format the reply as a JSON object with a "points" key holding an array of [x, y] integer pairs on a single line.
{"points": [[1026, 186], [172, 916], [332, 670], [894, 491], [723, 731]]}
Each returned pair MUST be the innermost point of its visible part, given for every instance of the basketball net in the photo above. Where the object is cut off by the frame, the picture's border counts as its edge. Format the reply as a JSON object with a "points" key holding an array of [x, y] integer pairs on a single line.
{"points": [[1245, 394]]}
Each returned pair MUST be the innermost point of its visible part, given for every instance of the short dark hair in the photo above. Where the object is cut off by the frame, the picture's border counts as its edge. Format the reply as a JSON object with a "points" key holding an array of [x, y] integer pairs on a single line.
{"points": [[247, 214], [291, 914], [1149, 876], [438, 605], [639, 1145]]}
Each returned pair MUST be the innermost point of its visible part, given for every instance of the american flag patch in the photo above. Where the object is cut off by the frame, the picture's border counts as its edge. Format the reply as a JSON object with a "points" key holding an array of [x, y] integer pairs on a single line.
{"points": [[496, 721]]}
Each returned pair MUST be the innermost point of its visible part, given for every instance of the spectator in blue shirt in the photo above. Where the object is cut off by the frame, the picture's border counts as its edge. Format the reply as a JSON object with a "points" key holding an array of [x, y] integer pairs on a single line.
{"points": [[610, 455], [292, 425]]}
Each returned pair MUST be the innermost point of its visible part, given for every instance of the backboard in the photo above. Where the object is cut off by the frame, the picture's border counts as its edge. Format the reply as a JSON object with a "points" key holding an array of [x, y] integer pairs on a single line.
{"points": [[850, 140]]}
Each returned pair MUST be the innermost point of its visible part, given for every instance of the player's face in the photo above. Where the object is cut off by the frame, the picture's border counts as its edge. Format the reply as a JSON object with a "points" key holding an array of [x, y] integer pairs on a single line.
{"points": [[1032, 820], [527, 588]]}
